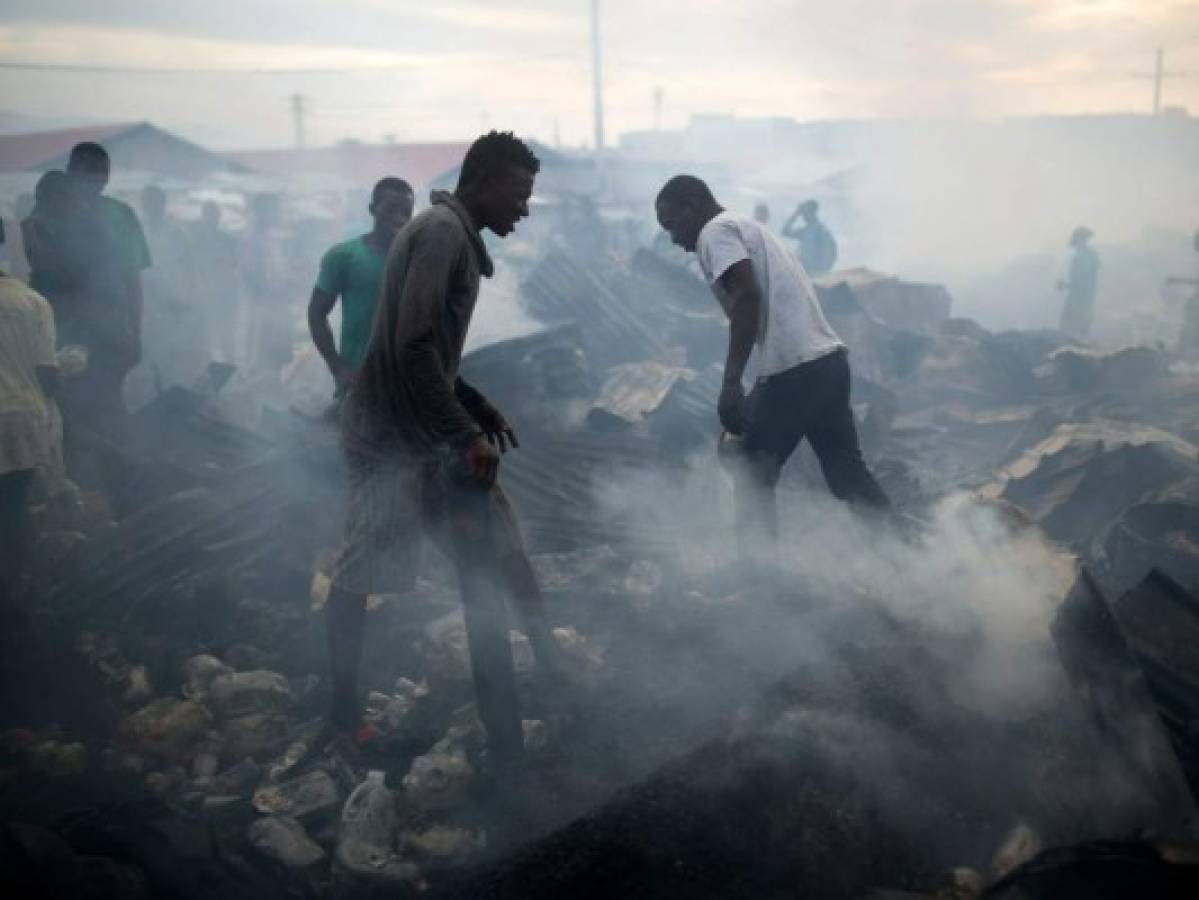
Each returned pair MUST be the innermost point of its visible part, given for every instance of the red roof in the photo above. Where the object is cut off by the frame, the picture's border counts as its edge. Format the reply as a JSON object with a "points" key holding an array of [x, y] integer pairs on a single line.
{"points": [[362, 164], [21, 152]]}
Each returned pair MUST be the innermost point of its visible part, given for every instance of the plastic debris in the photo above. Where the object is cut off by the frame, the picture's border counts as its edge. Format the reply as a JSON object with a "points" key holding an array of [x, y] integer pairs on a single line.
{"points": [[243, 693], [168, 728], [259, 734], [309, 796], [367, 838], [284, 840], [199, 671]]}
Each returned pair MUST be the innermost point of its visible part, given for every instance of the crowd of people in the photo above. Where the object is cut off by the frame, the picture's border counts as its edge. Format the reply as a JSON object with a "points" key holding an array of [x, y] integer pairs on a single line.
{"points": [[94, 293], [107, 291]]}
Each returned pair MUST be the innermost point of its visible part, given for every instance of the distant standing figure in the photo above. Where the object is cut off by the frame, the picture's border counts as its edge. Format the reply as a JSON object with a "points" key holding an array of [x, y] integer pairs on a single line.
{"points": [[352, 271], [762, 214], [817, 246], [262, 261], [1079, 311], [1188, 340], [176, 340], [215, 254]]}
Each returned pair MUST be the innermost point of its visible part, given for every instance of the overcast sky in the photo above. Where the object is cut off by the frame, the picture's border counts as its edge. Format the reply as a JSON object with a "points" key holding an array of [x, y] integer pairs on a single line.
{"points": [[443, 69]]}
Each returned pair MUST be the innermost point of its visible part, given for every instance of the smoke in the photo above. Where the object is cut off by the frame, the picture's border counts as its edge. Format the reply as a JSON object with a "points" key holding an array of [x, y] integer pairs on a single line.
{"points": [[987, 208], [971, 577], [498, 315], [924, 665]]}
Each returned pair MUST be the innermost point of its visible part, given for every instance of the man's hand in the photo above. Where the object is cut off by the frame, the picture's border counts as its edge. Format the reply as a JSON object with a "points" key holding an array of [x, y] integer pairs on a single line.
{"points": [[499, 433], [482, 460], [731, 408]]}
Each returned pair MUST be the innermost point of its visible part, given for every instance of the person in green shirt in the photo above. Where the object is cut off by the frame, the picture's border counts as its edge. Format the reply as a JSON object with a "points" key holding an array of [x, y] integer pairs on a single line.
{"points": [[353, 271]]}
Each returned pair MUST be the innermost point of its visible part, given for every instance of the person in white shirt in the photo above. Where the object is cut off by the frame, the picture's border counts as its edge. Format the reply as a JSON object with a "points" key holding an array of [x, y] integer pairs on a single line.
{"points": [[28, 441], [781, 342]]}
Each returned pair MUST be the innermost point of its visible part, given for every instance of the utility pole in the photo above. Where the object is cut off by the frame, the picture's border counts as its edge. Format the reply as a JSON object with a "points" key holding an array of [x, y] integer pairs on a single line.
{"points": [[597, 82], [1157, 82], [297, 119], [658, 97], [1160, 74]]}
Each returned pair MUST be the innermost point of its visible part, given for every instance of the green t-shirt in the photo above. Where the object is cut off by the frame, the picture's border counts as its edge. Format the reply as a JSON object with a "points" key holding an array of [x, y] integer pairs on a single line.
{"points": [[353, 270], [133, 255]]}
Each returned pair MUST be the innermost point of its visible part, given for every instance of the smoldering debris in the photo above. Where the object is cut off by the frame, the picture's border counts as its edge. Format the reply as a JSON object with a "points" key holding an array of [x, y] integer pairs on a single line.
{"points": [[906, 714]]}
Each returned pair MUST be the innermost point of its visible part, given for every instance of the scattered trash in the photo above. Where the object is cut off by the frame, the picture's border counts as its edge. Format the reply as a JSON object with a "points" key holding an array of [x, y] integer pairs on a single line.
{"points": [[439, 779], [310, 796], [139, 689], [443, 842], [1020, 845], [366, 844], [168, 728], [199, 672], [256, 735], [242, 693], [284, 840]]}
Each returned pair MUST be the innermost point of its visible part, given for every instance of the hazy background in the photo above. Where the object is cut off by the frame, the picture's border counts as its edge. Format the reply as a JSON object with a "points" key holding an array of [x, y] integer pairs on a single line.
{"points": [[423, 71]]}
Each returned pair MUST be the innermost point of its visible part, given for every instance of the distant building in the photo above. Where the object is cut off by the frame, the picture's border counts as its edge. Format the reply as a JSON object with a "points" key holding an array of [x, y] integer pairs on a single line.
{"points": [[138, 146]]}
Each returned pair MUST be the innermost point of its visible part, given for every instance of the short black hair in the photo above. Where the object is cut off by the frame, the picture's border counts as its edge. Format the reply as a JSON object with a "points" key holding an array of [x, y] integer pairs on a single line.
{"points": [[52, 190], [686, 190], [390, 183], [493, 152], [87, 153]]}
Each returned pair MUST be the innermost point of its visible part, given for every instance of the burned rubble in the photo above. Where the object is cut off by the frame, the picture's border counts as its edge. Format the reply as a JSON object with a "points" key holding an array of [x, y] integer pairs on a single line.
{"points": [[798, 736]]}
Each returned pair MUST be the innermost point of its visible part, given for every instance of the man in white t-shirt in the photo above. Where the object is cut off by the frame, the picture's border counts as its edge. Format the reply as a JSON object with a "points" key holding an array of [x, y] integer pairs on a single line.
{"points": [[780, 340]]}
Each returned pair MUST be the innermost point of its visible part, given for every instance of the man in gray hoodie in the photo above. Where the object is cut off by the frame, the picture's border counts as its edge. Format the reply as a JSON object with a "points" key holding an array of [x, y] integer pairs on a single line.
{"points": [[423, 446]]}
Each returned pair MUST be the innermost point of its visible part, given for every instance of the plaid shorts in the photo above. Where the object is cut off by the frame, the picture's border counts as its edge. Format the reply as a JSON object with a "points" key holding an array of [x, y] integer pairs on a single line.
{"points": [[393, 502]]}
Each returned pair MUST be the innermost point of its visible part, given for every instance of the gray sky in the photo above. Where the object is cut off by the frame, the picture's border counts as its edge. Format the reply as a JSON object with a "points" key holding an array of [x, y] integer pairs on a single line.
{"points": [[442, 69]]}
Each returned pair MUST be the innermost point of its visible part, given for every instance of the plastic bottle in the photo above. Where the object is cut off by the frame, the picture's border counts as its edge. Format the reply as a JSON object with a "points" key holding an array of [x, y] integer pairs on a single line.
{"points": [[367, 839]]}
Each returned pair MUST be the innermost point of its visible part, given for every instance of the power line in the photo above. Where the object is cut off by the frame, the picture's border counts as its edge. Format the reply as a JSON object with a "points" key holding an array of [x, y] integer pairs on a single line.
{"points": [[163, 70], [313, 70]]}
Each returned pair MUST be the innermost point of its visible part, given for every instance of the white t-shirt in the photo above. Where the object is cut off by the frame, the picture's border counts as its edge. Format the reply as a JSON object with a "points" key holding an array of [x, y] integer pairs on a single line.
{"points": [[792, 328]]}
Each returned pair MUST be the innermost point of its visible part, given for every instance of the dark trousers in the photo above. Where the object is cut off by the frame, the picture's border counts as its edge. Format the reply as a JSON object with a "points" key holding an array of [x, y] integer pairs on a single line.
{"points": [[95, 426], [480, 578], [809, 401], [485, 578]]}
